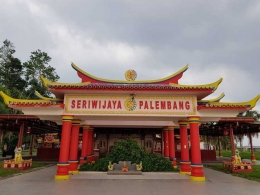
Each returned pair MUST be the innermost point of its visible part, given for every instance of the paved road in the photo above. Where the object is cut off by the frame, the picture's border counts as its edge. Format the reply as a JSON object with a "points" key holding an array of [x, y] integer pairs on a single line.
{"points": [[41, 182]]}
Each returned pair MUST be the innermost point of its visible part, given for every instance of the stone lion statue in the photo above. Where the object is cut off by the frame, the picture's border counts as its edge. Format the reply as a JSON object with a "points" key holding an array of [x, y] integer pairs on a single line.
{"points": [[18, 156]]}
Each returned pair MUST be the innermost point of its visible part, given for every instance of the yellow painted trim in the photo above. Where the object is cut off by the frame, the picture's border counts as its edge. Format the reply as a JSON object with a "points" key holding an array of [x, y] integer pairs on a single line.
{"points": [[213, 86], [85, 127], [76, 121], [61, 165], [175, 167], [122, 81], [171, 128], [215, 99], [47, 82], [197, 166], [185, 162], [185, 173], [197, 178], [253, 160], [252, 103], [45, 98], [62, 177], [74, 172], [9, 100]]}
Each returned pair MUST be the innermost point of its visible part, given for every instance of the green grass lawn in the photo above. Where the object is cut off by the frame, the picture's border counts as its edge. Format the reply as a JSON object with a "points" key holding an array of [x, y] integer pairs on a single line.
{"points": [[254, 175], [243, 154], [5, 172]]}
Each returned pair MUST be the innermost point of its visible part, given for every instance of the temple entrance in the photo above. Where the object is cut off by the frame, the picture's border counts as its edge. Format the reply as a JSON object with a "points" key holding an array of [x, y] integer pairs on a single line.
{"points": [[102, 147], [107, 137]]}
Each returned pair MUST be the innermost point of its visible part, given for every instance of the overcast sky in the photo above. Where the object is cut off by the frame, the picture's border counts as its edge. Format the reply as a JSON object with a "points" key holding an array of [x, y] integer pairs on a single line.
{"points": [[155, 38]]}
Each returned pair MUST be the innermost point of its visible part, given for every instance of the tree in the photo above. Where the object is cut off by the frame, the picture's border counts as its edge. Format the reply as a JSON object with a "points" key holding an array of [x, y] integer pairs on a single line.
{"points": [[250, 113], [37, 65], [11, 71]]}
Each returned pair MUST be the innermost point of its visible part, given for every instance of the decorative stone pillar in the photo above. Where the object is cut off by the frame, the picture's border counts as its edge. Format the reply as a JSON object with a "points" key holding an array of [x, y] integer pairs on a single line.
{"points": [[63, 164], [196, 165], [84, 148], [74, 144], [166, 142], [172, 146], [185, 160], [90, 151]]}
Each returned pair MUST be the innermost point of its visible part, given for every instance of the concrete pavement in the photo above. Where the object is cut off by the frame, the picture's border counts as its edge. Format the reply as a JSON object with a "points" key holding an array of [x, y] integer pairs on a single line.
{"points": [[42, 182]]}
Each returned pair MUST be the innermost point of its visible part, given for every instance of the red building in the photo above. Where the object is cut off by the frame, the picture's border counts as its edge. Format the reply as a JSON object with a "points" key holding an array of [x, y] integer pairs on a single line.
{"points": [[153, 112]]}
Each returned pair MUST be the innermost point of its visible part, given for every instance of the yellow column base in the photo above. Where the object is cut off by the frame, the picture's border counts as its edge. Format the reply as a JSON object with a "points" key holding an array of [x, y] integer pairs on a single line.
{"points": [[253, 160], [175, 167], [61, 177], [73, 172], [197, 178], [185, 173]]}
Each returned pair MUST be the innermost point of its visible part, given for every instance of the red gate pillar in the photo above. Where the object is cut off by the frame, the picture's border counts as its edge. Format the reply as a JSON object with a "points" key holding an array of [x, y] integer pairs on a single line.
{"points": [[63, 164], [84, 149], [90, 146], [73, 157], [185, 161], [196, 165], [166, 142], [172, 146], [253, 159]]}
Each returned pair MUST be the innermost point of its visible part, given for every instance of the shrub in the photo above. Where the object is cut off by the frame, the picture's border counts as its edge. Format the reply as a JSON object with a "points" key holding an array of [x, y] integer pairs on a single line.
{"points": [[130, 150]]}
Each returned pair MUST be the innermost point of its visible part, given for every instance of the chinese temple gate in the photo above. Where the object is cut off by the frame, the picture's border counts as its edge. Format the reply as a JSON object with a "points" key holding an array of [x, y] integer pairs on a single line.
{"points": [[158, 114]]}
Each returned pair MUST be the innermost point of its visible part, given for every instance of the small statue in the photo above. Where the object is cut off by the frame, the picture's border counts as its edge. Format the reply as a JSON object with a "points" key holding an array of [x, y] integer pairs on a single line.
{"points": [[237, 158], [139, 167], [18, 156], [110, 166], [124, 168]]}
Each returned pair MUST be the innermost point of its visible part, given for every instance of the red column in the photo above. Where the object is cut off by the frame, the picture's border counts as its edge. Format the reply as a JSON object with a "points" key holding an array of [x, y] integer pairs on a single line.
{"points": [[63, 164], [219, 149], [253, 159], [31, 145], [20, 138], [233, 152], [74, 144], [84, 149], [185, 160], [196, 165], [90, 146], [166, 142], [172, 146]]}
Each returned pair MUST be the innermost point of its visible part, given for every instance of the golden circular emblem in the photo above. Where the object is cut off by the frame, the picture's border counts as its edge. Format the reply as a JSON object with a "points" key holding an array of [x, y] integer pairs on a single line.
{"points": [[130, 75], [130, 104]]}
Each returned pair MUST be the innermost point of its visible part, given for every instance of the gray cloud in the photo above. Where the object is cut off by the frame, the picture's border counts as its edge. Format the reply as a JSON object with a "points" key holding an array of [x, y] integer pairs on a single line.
{"points": [[105, 38]]}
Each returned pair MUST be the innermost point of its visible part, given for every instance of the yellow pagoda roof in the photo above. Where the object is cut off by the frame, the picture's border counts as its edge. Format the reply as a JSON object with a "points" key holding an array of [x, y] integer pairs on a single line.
{"points": [[13, 101], [212, 86], [217, 99], [216, 105], [166, 80]]}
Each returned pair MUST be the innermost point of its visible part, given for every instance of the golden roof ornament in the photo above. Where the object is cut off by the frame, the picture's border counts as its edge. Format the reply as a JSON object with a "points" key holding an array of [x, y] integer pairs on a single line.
{"points": [[130, 75]]}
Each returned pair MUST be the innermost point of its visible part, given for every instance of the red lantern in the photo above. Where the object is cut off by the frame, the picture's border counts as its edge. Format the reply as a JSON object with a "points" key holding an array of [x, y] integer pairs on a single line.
{"points": [[226, 132]]}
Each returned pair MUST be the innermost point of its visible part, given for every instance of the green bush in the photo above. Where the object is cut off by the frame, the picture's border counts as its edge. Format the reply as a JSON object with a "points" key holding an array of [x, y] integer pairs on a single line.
{"points": [[100, 165], [130, 150], [126, 150]]}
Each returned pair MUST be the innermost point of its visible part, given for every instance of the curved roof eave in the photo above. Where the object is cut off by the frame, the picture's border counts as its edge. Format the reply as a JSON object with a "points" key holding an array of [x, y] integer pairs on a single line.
{"points": [[88, 77]]}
